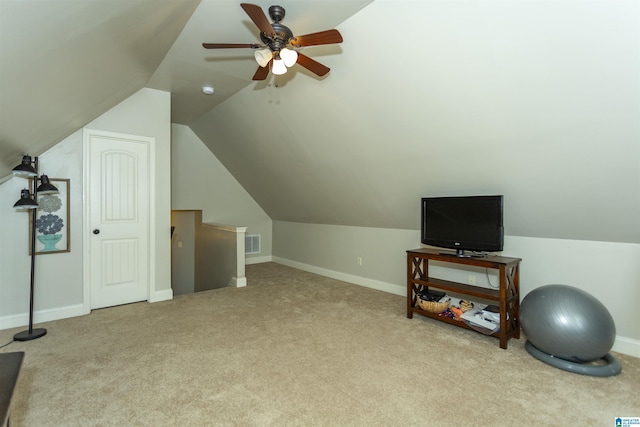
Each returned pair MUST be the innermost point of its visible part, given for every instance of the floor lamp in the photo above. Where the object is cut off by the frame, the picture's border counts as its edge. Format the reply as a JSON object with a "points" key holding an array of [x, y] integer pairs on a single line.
{"points": [[29, 201]]}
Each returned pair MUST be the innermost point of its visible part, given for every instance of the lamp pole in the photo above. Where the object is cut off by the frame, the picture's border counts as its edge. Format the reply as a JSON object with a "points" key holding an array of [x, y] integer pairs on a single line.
{"points": [[32, 333]]}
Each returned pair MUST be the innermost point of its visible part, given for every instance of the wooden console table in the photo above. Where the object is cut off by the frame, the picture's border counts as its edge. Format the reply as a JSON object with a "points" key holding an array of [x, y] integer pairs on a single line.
{"points": [[507, 296]]}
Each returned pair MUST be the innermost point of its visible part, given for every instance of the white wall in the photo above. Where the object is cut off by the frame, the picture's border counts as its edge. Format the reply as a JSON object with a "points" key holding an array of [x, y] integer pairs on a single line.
{"points": [[200, 182], [58, 277], [59, 285], [608, 271]]}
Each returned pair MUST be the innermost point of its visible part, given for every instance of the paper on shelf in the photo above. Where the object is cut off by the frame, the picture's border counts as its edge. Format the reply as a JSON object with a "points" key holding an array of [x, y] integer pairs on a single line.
{"points": [[475, 316]]}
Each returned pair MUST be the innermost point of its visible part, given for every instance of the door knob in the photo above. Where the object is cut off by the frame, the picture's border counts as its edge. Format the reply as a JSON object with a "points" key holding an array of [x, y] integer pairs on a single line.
{"points": [[96, 231]]}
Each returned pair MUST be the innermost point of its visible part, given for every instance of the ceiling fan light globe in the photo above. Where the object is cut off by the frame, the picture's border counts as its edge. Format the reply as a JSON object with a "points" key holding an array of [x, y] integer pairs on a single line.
{"points": [[289, 57], [263, 56], [278, 67]]}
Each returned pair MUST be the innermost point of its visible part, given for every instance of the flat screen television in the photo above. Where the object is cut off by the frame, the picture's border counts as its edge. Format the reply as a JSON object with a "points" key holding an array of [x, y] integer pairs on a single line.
{"points": [[467, 223]]}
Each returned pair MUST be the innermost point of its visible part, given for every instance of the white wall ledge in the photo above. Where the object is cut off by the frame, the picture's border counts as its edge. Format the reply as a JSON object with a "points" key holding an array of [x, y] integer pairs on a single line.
{"points": [[224, 227]]}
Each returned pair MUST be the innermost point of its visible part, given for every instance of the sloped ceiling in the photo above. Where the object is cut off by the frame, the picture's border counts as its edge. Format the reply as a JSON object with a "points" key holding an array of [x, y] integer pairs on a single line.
{"points": [[62, 64], [188, 66], [65, 63], [532, 99], [535, 100]]}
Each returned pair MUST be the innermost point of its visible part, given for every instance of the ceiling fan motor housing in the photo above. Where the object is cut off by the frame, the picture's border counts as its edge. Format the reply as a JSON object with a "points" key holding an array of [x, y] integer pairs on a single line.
{"points": [[280, 39]]}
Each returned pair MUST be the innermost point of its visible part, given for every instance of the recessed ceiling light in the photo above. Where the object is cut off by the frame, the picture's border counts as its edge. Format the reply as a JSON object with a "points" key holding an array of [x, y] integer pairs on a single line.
{"points": [[207, 90]]}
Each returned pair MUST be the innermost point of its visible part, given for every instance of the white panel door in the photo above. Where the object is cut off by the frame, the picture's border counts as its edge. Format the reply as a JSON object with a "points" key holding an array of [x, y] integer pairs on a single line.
{"points": [[119, 219]]}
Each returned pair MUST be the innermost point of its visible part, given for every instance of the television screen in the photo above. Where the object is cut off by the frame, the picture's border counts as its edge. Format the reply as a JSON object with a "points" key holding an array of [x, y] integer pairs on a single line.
{"points": [[472, 223]]}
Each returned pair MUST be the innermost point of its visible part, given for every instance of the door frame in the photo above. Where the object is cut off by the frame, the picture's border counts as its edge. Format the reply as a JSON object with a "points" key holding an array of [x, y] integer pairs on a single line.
{"points": [[87, 134]]}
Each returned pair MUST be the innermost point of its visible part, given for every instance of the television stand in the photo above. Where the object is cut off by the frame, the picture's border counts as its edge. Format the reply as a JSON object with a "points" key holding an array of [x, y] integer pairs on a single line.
{"points": [[507, 297]]}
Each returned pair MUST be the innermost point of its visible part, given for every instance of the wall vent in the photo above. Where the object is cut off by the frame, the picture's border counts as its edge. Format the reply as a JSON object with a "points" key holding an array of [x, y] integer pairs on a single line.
{"points": [[252, 244]]}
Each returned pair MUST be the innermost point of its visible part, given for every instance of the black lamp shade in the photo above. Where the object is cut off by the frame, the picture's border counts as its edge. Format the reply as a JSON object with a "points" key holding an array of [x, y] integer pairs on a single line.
{"points": [[25, 168], [25, 202], [46, 187]]}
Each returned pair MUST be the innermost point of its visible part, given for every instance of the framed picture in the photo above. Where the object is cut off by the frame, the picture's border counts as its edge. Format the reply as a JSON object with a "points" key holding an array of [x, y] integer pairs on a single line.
{"points": [[52, 220]]}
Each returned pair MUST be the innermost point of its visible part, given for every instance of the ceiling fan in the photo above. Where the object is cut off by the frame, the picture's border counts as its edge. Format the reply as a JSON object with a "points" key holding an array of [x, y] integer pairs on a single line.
{"points": [[278, 50]]}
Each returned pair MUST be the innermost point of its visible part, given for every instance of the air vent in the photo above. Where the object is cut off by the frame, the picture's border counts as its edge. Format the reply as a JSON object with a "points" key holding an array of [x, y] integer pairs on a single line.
{"points": [[252, 244]]}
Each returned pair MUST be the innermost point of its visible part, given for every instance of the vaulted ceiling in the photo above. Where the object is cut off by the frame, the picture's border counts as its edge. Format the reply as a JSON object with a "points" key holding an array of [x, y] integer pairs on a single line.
{"points": [[65, 63], [535, 100]]}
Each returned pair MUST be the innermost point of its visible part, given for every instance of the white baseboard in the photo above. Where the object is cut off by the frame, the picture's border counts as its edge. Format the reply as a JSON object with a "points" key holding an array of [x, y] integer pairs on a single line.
{"points": [[391, 288], [158, 296], [257, 260], [17, 320], [624, 345], [238, 282], [627, 346], [22, 319]]}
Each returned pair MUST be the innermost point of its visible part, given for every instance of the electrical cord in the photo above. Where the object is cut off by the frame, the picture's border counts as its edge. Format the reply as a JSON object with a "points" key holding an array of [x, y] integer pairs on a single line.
{"points": [[486, 271], [4, 345]]}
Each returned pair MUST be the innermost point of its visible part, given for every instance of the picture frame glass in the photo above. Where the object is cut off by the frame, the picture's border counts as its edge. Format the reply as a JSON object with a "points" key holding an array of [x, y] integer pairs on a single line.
{"points": [[52, 226]]}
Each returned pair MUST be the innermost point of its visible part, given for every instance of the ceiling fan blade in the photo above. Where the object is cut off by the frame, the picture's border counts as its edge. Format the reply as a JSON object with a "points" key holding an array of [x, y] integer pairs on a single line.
{"points": [[314, 39], [258, 17], [312, 65], [262, 72], [230, 45]]}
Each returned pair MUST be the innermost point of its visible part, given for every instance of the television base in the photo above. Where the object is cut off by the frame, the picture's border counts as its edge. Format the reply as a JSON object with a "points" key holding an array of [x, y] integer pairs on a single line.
{"points": [[460, 253]]}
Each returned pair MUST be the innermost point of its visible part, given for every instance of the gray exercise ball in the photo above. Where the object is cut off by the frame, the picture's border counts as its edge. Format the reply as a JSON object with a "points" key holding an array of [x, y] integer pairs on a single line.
{"points": [[567, 322]]}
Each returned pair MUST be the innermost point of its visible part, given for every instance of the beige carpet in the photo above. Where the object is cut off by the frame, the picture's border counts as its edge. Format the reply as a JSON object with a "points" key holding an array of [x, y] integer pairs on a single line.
{"points": [[296, 349]]}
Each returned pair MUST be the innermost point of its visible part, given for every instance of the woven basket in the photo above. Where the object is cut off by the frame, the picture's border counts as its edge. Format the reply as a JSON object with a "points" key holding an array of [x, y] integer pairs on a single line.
{"points": [[433, 306]]}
